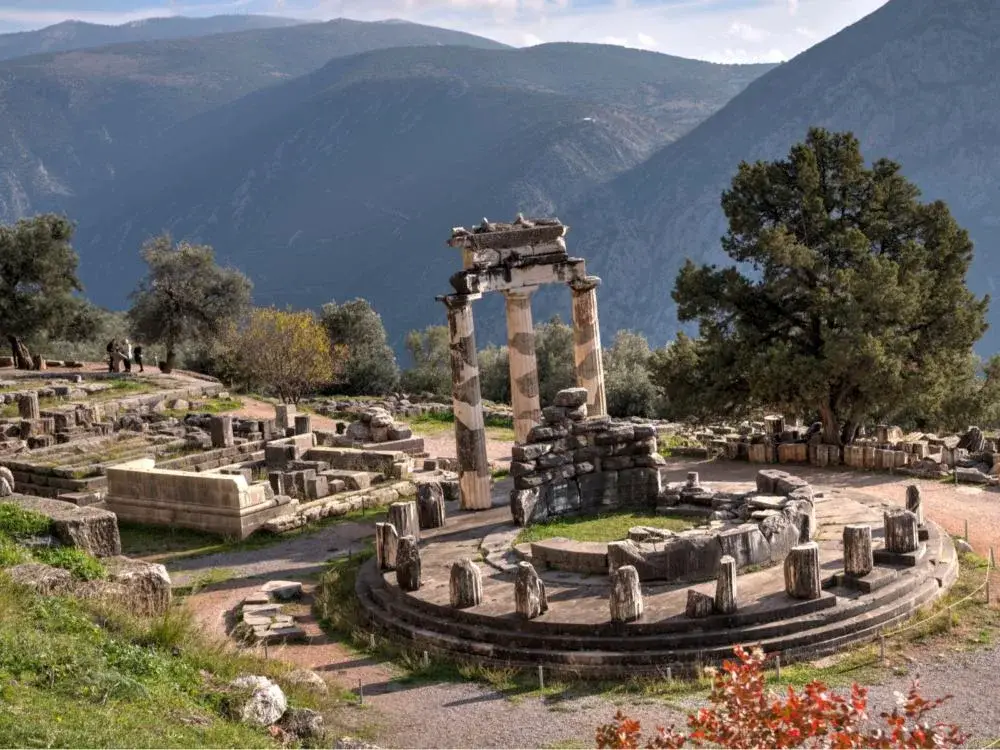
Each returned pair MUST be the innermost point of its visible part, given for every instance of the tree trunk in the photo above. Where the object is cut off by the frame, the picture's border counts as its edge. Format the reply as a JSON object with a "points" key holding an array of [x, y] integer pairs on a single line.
{"points": [[831, 425], [168, 366], [849, 433], [22, 357]]}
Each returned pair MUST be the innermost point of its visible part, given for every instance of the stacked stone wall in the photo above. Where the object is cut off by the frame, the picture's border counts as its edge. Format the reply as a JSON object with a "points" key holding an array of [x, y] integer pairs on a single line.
{"points": [[572, 464]]}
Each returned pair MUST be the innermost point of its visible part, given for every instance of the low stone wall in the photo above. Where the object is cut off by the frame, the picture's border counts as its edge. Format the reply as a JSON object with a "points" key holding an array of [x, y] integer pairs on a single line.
{"points": [[572, 464], [219, 457], [93, 530], [362, 500], [218, 503]]}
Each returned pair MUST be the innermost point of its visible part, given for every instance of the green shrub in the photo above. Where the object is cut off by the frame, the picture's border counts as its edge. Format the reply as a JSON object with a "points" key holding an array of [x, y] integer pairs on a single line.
{"points": [[75, 560], [16, 522]]}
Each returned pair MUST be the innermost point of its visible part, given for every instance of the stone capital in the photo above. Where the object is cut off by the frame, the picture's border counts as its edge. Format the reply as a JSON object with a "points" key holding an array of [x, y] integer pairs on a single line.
{"points": [[523, 293], [453, 301], [580, 286]]}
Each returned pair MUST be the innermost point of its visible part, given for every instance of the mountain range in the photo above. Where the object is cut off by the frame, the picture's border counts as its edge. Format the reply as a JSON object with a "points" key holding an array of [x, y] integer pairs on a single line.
{"points": [[330, 161]]}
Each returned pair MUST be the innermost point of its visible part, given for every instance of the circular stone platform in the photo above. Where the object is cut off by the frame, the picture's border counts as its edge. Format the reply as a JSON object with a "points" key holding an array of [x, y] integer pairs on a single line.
{"points": [[576, 636]]}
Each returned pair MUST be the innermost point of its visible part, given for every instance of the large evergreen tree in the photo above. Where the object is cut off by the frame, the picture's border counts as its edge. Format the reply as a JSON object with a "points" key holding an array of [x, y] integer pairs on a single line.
{"points": [[852, 298], [185, 297], [39, 285], [369, 365]]}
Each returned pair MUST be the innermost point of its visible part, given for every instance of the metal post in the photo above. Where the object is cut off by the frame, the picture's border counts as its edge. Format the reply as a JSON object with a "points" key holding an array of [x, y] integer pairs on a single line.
{"points": [[541, 677], [966, 529], [361, 693], [881, 647], [670, 674]]}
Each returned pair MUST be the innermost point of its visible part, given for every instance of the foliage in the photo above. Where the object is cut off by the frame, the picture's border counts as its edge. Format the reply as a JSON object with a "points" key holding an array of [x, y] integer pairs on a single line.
{"points": [[88, 345], [288, 352], [185, 296], [17, 523], [369, 366], [554, 352], [743, 714], [628, 387], [38, 280], [430, 350], [494, 374], [75, 560], [856, 301]]}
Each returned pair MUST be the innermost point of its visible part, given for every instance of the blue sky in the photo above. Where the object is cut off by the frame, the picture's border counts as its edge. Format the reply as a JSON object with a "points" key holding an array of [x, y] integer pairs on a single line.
{"points": [[717, 30]]}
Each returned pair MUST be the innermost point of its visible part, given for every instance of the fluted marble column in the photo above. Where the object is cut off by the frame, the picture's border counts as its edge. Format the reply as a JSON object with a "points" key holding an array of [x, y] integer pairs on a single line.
{"points": [[587, 344], [470, 433], [523, 365]]}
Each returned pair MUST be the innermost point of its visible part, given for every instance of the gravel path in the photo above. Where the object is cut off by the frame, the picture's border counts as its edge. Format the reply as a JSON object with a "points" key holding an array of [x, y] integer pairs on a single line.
{"points": [[447, 715]]}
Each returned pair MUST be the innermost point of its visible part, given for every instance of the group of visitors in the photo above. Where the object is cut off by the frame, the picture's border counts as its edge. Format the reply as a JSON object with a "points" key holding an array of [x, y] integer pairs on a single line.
{"points": [[123, 354]]}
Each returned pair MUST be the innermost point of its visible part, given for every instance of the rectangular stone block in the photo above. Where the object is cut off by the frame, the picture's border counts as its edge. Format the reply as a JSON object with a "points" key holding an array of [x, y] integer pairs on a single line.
{"points": [[317, 487], [599, 488], [561, 498]]}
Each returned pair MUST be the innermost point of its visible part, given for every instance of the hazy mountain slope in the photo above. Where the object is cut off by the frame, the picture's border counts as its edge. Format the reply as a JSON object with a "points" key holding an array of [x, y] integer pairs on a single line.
{"points": [[916, 82], [69, 121], [71, 35], [346, 181]]}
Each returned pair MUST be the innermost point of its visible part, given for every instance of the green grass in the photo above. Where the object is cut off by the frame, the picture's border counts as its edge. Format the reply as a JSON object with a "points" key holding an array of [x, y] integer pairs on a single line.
{"points": [[432, 424], [667, 443], [609, 528], [73, 559], [17, 523], [75, 674], [169, 544]]}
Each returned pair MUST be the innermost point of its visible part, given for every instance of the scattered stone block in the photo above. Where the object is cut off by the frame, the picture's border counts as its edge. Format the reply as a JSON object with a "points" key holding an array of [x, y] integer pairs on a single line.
{"points": [[221, 430], [303, 424], [529, 592], [265, 703], [465, 585], [408, 564], [404, 517], [858, 559], [28, 407], [901, 534], [699, 604], [626, 595], [802, 574], [283, 591]]}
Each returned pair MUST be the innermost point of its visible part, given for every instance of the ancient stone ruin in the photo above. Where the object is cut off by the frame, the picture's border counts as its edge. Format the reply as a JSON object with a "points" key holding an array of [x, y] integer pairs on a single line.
{"points": [[514, 259]]}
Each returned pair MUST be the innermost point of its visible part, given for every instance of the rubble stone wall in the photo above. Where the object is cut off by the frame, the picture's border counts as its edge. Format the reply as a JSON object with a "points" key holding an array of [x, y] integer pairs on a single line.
{"points": [[573, 465]]}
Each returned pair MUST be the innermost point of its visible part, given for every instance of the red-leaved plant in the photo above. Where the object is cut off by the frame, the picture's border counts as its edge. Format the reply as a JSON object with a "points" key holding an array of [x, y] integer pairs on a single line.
{"points": [[744, 714]]}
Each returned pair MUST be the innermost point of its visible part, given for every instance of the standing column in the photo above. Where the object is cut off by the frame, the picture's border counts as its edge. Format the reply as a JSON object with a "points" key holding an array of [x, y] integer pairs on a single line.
{"points": [[587, 344], [470, 433], [523, 365]]}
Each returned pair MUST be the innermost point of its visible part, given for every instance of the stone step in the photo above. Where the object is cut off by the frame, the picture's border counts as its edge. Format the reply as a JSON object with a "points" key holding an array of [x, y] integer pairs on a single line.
{"points": [[596, 663]]}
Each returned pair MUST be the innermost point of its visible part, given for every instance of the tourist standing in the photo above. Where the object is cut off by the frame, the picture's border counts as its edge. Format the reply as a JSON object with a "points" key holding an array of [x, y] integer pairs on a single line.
{"points": [[137, 352], [128, 356], [111, 355]]}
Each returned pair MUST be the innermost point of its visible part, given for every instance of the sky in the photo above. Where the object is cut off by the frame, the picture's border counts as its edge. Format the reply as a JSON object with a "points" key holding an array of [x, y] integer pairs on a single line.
{"points": [[716, 30]]}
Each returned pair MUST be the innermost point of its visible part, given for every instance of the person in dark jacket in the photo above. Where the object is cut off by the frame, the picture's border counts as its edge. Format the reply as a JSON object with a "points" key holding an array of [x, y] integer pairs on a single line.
{"points": [[137, 356], [111, 358]]}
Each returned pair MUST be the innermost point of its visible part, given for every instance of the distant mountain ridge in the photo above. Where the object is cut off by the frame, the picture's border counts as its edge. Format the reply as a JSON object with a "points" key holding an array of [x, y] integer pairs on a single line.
{"points": [[73, 35], [915, 81]]}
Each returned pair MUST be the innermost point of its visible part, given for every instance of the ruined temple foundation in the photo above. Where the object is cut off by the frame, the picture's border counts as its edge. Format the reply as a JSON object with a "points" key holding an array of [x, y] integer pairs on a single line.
{"points": [[523, 364], [470, 430], [587, 344]]}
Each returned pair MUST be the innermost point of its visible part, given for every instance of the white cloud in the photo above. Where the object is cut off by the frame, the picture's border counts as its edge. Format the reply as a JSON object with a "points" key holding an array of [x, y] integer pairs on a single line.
{"points": [[704, 29]]}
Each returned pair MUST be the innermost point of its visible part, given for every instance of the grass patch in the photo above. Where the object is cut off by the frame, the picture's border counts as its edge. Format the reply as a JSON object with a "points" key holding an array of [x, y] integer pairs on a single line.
{"points": [[17, 523], [666, 444], [74, 674], [212, 406], [432, 424], [607, 528], [73, 559], [170, 544]]}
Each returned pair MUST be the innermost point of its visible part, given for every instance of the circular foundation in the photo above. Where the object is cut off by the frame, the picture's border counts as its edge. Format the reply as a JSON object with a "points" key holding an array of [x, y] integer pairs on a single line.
{"points": [[576, 636]]}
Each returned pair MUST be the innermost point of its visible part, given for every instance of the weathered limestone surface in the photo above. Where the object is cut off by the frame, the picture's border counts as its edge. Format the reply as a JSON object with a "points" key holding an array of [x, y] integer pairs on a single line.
{"points": [[466, 585], [626, 595], [408, 564], [725, 588], [802, 575], [28, 407], [6, 482], [858, 560], [587, 344], [405, 518], [284, 416], [430, 505], [523, 364], [470, 431], [914, 503], [529, 592], [303, 424], [699, 604], [901, 533], [386, 545], [91, 529], [221, 428]]}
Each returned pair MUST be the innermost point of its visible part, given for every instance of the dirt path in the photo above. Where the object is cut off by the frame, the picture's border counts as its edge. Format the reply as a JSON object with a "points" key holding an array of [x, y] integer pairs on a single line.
{"points": [[468, 715]]}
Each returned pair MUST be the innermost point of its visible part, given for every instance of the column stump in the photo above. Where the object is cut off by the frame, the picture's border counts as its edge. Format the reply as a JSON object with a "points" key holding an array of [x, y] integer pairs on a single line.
{"points": [[465, 585]]}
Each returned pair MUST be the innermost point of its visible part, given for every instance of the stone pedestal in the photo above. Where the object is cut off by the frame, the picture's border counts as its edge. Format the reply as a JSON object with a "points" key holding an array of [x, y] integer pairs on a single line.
{"points": [[725, 586], [626, 596], [802, 579], [386, 546], [523, 365], [430, 505], [914, 503], [27, 406], [470, 432], [408, 564], [284, 416], [858, 560], [529, 592], [303, 424], [901, 535], [405, 518], [587, 344], [465, 585], [221, 429]]}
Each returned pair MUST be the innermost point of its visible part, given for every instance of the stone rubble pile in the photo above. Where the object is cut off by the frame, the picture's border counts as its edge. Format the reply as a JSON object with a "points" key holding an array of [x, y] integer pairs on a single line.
{"points": [[262, 619]]}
